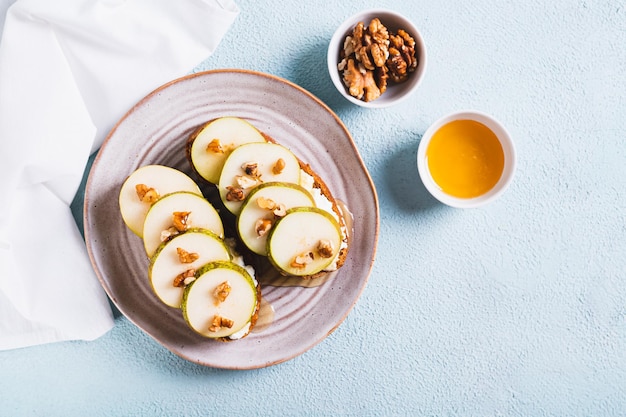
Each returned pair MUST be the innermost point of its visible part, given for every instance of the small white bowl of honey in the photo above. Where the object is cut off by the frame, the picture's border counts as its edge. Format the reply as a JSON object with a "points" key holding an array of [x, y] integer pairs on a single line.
{"points": [[466, 159]]}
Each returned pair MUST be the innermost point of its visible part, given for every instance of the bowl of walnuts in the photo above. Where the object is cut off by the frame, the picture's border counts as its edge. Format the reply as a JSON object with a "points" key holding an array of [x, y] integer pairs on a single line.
{"points": [[376, 58]]}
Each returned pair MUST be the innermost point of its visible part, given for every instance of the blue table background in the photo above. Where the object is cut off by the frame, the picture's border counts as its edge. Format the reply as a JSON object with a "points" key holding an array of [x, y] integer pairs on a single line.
{"points": [[518, 308]]}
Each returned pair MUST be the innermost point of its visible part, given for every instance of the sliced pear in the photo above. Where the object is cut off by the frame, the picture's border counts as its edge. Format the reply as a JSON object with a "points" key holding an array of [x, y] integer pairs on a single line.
{"points": [[153, 182], [161, 219], [252, 164], [304, 242], [222, 292], [175, 262], [210, 145], [263, 206]]}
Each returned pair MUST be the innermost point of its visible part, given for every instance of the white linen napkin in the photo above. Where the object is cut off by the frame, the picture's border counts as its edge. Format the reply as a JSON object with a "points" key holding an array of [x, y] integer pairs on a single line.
{"points": [[69, 69]]}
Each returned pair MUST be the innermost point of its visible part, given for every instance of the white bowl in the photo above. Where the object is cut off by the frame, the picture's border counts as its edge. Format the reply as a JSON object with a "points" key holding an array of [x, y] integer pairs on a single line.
{"points": [[507, 172], [393, 21]]}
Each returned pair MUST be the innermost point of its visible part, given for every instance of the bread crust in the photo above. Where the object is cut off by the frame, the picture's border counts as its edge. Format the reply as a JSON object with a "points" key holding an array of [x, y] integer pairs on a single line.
{"points": [[189, 143]]}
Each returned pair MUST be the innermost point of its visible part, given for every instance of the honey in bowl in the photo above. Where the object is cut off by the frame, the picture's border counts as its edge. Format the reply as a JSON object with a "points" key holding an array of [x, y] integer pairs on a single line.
{"points": [[465, 158]]}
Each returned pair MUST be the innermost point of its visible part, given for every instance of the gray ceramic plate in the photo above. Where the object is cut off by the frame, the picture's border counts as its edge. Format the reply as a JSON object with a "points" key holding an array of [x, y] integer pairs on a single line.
{"points": [[154, 132]]}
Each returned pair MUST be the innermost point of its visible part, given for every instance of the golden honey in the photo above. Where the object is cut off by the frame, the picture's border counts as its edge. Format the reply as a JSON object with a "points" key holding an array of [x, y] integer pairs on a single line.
{"points": [[465, 158]]}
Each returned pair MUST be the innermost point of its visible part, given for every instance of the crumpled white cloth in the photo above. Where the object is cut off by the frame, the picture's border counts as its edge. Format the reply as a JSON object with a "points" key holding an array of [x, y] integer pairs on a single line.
{"points": [[69, 69]]}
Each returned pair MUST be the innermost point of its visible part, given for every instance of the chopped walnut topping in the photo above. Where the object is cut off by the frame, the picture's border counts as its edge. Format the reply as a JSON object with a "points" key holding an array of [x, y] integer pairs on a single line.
{"points": [[146, 194], [219, 322], [186, 257], [266, 203], [245, 181], [251, 169], [262, 226], [222, 291], [279, 210], [278, 166], [184, 278], [215, 146], [302, 260], [234, 194], [181, 220], [325, 248], [167, 233]]}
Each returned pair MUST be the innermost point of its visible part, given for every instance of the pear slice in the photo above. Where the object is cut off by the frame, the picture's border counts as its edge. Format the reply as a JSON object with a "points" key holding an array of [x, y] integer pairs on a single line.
{"points": [[304, 242], [263, 206], [175, 262], [252, 164], [163, 216], [209, 146], [222, 291], [156, 181]]}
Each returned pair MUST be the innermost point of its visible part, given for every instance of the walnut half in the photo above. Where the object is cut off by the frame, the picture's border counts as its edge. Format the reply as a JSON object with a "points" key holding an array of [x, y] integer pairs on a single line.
{"points": [[361, 84], [185, 257], [180, 220], [402, 60]]}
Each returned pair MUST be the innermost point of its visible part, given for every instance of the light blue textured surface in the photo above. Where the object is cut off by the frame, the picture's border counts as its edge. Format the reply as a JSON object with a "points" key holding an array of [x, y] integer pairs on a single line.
{"points": [[518, 308]]}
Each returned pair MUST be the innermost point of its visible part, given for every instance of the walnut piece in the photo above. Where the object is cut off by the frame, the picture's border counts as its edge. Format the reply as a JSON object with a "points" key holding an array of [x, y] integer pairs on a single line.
{"points": [[302, 260], [180, 220], [402, 60], [146, 194], [169, 232], [234, 194], [278, 166], [265, 203], [262, 226], [184, 278], [186, 257], [246, 181], [371, 44], [219, 322], [360, 84], [325, 248], [379, 32], [251, 169], [215, 146], [222, 291], [279, 210], [372, 56]]}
